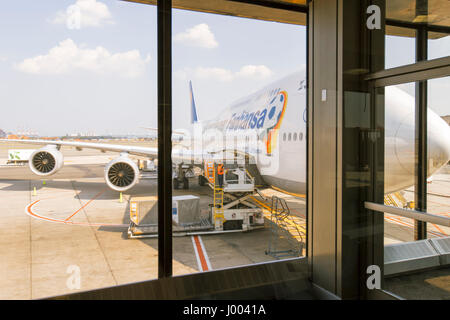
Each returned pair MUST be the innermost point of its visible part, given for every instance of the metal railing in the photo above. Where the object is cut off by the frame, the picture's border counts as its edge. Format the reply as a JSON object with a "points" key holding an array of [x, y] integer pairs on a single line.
{"points": [[247, 180], [413, 214]]}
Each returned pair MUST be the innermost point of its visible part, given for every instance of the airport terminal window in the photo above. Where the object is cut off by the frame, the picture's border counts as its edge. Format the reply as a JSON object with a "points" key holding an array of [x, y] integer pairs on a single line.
{"points": [[403, 25], [85, 76], [255, 98], [399, 165], [401, 176], [438, 183], [400, 153]]}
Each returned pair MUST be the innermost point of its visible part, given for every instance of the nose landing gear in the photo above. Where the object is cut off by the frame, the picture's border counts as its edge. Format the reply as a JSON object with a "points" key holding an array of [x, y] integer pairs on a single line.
{"points": [[180, 179]]}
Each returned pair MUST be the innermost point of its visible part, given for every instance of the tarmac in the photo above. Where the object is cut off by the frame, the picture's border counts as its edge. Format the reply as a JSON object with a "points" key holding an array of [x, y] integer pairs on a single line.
{"points": [[75, 225], [50, 227]]}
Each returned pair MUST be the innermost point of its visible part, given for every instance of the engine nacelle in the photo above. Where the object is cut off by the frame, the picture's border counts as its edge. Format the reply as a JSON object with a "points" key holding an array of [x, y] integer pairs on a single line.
{"points": [[46, 161], [121, 173]]}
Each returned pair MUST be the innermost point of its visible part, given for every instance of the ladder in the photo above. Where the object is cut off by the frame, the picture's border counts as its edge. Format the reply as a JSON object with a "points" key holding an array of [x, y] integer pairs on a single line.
{"points": [[283, 227], [402, 199], [210, 171], [389, 200], [219, 218]]}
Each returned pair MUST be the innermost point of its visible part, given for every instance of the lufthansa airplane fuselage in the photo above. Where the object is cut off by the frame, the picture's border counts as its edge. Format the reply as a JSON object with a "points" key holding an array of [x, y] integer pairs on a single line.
{"points": [[276, 116]]}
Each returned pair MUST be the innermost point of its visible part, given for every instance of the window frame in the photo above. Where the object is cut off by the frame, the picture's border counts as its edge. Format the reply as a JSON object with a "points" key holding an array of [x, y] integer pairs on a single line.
{"points": [[164, 69], [419, 72]]}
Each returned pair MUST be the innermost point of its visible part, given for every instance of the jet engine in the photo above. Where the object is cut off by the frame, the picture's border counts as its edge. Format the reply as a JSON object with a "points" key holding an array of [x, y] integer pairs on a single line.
{"points": [[46, 161], [121, 173]]}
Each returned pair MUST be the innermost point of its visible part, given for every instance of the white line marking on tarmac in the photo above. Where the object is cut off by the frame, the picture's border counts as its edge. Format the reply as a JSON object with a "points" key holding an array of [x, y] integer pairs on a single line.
{"points": [[200, 253]]}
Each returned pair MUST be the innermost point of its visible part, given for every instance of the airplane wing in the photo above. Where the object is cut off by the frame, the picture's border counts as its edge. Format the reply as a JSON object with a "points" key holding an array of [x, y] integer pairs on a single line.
{"points": [[134, 150], [156, 129], [178, 155]]}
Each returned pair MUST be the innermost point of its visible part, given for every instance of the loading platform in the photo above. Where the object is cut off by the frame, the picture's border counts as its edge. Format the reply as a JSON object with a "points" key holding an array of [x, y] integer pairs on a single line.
{"points": [[237, 206], [231, 210]]}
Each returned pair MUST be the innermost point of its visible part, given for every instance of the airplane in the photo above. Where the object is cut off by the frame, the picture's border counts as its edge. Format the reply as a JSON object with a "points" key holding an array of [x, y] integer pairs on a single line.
{"points": [[176, 135], [268, 130]]}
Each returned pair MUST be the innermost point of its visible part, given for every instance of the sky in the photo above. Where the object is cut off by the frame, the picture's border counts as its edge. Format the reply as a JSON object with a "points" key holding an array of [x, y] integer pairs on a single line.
{"points": [[89, 66]]}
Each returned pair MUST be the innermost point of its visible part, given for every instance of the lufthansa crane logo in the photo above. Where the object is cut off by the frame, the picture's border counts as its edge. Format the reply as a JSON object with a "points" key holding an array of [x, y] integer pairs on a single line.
{"points": [[275, 116]]}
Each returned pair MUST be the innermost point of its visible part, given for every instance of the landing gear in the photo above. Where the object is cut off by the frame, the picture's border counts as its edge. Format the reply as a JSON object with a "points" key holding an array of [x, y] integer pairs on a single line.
{"points": [[185, 183], [201, 180], [176, 183], [180, 177]]}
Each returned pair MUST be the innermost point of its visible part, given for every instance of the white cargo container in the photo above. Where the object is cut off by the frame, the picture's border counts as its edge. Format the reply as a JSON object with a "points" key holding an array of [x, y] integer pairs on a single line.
{"points": [[186, 210], [149, 165]]}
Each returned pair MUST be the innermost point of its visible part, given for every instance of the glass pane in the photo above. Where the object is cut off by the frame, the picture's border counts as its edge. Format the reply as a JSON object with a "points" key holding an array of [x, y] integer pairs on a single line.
{"points": [[438, 186], [85, 76], [399, 160], [400, 46], [438, 45], [438, 192], [430, 12], [238, 103], [416, 269], [403, 17]]}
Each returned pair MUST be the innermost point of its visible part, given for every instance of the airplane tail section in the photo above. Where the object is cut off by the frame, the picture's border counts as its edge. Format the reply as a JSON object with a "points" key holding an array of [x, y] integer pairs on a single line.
{"points": [[194, 117]]}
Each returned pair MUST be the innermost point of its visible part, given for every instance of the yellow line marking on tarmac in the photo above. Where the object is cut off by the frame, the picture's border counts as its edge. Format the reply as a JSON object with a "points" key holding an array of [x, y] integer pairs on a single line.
{"points": [[303, 196], [293, 222]]}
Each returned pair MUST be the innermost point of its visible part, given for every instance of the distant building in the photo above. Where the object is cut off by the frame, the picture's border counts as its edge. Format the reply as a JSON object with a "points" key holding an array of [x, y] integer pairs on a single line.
{"points": [[446, 119], [2, 133]]}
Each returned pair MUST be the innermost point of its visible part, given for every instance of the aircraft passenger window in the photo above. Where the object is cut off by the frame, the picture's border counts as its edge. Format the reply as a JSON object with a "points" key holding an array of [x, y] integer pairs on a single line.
{"points": [[284, 136], [300, 136], [289, 136], [295, 136]]}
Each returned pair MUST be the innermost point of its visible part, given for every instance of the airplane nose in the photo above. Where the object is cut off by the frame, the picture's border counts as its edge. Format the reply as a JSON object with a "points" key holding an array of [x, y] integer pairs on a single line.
{"points": [[438, 142]]}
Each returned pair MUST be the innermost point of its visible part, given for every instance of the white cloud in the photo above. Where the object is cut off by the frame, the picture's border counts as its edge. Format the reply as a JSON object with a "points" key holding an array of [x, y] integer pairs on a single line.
{"points": [[84, 13], [198, 36], [214, 73], [67, 57], [3, 58], [251, 71], [258, 72]]}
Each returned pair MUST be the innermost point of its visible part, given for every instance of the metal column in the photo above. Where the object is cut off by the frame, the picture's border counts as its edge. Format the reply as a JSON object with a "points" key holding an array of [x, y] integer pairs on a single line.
{"points": [[164, 9], [345, 146], [421, 163]]}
